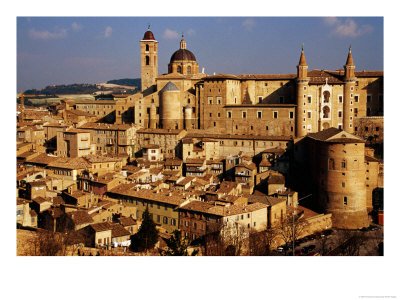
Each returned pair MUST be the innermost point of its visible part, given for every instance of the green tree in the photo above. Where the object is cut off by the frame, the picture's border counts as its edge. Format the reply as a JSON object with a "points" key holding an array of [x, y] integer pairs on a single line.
{"points": [[147, 236], [177, 245]]}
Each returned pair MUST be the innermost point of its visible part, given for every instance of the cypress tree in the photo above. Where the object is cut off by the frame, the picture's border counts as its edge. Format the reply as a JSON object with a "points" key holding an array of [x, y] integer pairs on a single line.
{"points": [[147, 236]]}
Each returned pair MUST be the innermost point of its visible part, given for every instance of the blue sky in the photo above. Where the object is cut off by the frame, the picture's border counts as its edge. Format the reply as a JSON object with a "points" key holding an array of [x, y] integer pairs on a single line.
{"points": [[64, 50]]}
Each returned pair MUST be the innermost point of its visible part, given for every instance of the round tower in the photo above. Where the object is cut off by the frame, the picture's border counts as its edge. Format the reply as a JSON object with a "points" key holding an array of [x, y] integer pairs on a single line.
{"points": [[170, 107], [341, 181], [302, 90], [149, 63], [348, 94]]}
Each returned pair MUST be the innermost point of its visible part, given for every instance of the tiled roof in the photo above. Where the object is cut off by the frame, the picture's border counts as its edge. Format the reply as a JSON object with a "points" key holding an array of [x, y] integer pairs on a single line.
{"points": [[106, 126], [101, 226], [80, 217], [223, 211], [160, 131], [70, 163], [43, 159], [195, 161], [335, 135], [324, 134], [127, 221], [119, 230], [276, 179], [98, 159], [173, 162]]}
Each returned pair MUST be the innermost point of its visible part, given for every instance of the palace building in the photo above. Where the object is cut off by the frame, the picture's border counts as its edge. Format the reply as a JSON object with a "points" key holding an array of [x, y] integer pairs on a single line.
{"points": [[252, 104]]}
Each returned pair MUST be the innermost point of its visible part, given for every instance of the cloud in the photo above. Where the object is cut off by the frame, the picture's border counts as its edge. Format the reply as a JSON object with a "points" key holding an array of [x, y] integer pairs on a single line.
{"points": [[170, 34], [191, 31], [249, 24], [348, 27], [47, 35], [76, 27], [107, 32]]}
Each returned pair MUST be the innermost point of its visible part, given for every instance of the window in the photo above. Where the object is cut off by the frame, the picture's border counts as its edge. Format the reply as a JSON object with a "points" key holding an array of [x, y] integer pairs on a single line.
{"points": [[165, 220], [291, 115], [309, 99], [147, 47], [340, 99], [275, 115], [339, 113], [376, 128], [259, 115], [345, 200], [309, 114], [173, 222], [179, 69], [218, 100], [243, 114], [229, 114], [343, 164], [343, 184], [356, 98], [266, 127], [189, 69], [260, 98], [147, 60], [210, 100]]}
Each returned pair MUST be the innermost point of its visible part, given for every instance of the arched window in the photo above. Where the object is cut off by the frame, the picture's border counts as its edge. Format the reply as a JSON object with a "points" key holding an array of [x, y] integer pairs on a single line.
{"points": [[326, 112], [147, 60], [189, 70], [147, 47], [331, 164], [179, 69], [327, 95]]}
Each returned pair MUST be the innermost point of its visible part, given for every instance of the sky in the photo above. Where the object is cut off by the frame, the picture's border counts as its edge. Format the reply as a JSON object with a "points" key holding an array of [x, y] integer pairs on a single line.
{"points": [[66, 50]]}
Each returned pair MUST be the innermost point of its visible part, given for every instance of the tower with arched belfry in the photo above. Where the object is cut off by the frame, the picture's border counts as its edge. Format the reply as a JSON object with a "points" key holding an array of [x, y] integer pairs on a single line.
{"points": [[148, 60]]}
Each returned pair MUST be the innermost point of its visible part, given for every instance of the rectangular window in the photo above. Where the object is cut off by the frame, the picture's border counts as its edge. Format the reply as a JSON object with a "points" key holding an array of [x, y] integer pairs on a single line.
{"points": [[356, 98], [229, 114], [165, 220], [219, 100], [259, 115], [243, 114], [210, 100], [344, 200], [275, 115], [260, 98], [339, 114], [309, 114], [291, 115], [340, 99], [343, 184], [309, 99]]}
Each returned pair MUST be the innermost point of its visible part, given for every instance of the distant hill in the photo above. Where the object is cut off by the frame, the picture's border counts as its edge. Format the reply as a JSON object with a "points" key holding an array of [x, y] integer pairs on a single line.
{"points": [[116, 86], [126, 81]]}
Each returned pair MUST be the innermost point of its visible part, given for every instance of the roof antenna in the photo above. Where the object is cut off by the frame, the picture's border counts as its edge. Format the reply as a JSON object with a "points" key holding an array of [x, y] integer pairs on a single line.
{"points": [[302, 47], [350, 48], [148, 26]]}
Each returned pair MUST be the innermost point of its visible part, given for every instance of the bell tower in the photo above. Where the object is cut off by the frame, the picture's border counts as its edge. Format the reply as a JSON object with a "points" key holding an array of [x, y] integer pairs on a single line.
{"points": [[348, 93], [302, 91], [148, 60]]}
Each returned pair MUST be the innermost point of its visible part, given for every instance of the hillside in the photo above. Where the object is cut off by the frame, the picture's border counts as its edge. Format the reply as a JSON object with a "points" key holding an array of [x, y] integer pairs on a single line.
{"points": [[116, 86]]}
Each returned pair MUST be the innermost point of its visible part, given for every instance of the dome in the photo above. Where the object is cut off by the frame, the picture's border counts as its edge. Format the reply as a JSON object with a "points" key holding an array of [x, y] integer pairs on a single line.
{"points": [[182, 54], [169, 87], [148, 36]]}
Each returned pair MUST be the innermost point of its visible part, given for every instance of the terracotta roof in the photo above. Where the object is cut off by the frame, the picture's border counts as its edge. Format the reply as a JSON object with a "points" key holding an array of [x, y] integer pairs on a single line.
{"points": [[372, 159], [70, 163], [265, 163], [119, 230], [168, 197], [196, 161], [274, 150], [106, 126], [320, 76], [80, 217], [302, 61], [127, 221], [334, 135], [173, 162], [223, 211], [270, 201], [151, 146], [37, 183], [101, 226], [43, 159], [160, 131], [227, 186], [96, 159], [198, 133], [276, 179], [369, 74]]}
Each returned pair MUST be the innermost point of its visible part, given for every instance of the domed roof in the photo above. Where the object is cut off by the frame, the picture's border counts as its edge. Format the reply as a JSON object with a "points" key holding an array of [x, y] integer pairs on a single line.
{"points": [[182, 54], [148, 36]]}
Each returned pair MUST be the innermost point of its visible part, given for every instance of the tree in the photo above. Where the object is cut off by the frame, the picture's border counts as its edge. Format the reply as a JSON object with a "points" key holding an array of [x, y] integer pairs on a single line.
{"points": [[177, 246], [260, 243], [147, 236], [292, 228]]}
